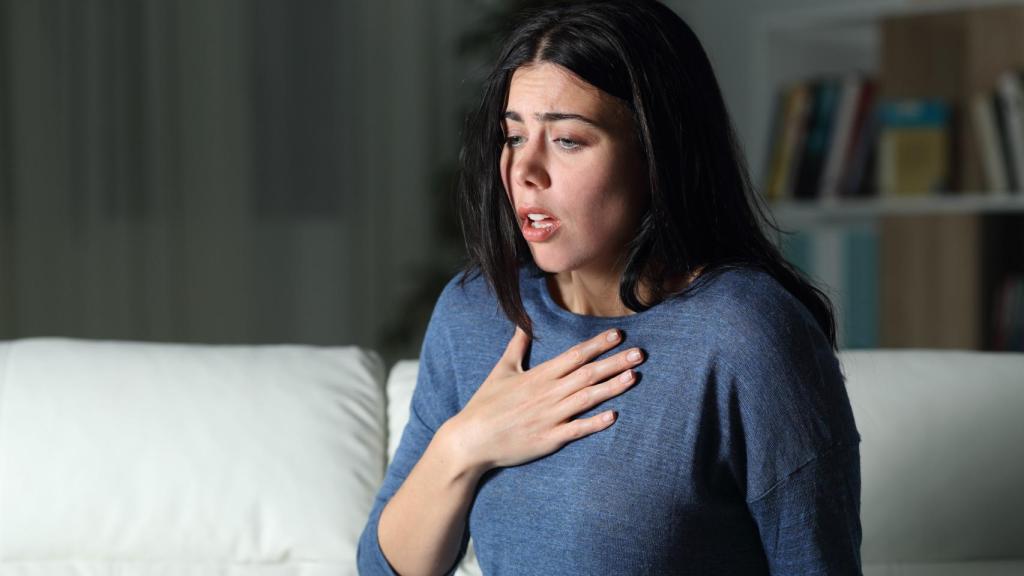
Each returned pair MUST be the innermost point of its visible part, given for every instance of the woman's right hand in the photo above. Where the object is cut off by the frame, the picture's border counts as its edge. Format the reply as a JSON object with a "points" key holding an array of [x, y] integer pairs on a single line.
{"points": [[517, 416]]}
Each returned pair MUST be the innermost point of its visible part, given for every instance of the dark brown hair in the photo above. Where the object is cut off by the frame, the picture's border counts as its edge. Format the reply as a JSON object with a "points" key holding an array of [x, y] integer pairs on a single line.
{"points": [[703, 211]]}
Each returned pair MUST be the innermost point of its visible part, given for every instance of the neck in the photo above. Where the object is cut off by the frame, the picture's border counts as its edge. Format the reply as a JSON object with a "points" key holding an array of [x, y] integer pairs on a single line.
{"points": [[589, 295], [598, 295]]}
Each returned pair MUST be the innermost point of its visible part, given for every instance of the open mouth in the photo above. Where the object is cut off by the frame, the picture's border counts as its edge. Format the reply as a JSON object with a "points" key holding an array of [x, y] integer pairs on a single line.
{"points": [[538, 226], [541, 221]]}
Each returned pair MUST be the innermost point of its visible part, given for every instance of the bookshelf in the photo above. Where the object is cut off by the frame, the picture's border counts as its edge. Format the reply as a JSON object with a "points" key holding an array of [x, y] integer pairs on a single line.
{"points": [[796, 214], [827, 38], [931, 271]]}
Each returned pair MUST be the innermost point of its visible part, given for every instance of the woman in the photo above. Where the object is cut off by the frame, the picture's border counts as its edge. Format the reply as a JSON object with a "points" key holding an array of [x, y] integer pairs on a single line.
{"points": [[628, 378]]}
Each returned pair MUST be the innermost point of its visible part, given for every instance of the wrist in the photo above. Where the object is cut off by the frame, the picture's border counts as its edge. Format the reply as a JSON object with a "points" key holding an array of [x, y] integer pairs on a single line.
{"points": [[457, 452]]}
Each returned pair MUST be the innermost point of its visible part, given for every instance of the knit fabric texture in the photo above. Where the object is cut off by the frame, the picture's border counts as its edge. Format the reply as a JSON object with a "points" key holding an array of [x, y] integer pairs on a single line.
{"points": [[735, 453]]}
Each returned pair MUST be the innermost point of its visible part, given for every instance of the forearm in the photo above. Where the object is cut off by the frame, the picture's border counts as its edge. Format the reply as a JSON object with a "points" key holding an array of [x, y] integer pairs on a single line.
{"points": [[421, 527]]}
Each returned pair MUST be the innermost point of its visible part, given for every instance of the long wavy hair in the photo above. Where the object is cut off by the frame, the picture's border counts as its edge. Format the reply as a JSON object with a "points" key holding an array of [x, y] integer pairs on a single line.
{"points": [[703, 211]]}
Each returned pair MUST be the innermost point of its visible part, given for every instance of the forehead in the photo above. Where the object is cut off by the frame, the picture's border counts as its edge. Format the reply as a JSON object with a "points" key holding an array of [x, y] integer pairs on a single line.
{"points": [[547, 87]]}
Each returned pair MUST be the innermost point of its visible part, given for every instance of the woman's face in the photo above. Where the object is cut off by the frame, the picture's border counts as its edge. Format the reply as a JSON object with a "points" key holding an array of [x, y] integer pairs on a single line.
{"points": [[571, 158]]}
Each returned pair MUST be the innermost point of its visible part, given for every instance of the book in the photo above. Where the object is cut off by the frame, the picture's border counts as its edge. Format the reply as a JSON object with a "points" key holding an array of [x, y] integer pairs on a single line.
{"points": [[819, 127], [843, 262], [952, 54], [865, 135], [987, 137], [1002, 315], [774, 143], [788, 127], [1002, 131], [798, 249], [914, 147], [860, 286], [1008, 315], [1011, 95], [799, 124], [858, 178], [837, 151]]}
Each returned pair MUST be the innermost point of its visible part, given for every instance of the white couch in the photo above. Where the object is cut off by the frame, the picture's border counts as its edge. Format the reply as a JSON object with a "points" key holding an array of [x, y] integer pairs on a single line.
{"points": [[137, 459]]}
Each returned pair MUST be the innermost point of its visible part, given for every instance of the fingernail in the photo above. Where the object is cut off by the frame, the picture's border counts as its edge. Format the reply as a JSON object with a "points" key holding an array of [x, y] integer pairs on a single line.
{"points": [[613, 336], [607, 417], [626, 376], [634, 356]]}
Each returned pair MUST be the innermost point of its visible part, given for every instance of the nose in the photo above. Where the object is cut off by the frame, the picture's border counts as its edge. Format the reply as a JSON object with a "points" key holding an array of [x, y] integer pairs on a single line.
{"points": [[529, 167]]}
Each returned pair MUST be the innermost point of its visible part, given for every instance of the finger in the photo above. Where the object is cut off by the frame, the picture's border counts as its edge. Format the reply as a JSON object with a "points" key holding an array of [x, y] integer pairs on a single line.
{"points": [[516, 349], [576, 429], [590, 396], [583, 352], [596, 372]]}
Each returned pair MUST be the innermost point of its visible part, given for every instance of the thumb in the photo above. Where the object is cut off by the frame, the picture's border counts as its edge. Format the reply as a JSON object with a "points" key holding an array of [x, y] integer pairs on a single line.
{"points": [[516, 349]]}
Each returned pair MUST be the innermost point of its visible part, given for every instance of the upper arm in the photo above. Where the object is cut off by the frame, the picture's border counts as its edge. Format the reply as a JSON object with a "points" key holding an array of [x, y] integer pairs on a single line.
{"points": [[786, 399], [434, 401], [810, 521], [792, 440]]}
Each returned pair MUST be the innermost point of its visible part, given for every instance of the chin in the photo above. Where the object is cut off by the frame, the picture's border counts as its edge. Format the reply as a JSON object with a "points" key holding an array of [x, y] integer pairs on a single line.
{"points": [[552, 263]]}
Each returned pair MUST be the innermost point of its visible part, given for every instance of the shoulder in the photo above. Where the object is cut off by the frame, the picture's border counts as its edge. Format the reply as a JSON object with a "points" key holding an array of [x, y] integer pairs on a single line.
{"points": [[466, 308], [465, 296], [753, 320], [467, 332], [468, 296], [779, 375], [774, 360]]}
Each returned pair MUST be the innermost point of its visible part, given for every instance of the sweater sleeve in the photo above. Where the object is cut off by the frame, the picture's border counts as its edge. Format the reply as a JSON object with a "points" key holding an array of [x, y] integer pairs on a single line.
{"points": [[434, 401], [810, 522], [792, 442]]}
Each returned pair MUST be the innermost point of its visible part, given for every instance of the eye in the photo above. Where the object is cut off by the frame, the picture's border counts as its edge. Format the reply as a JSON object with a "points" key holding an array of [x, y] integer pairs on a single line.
{"points": [[513, 141], [567, 143]]}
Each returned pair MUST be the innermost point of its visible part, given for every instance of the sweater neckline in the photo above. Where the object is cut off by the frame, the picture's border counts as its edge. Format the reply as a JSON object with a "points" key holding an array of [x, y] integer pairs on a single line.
{"points": [[538, 279]]}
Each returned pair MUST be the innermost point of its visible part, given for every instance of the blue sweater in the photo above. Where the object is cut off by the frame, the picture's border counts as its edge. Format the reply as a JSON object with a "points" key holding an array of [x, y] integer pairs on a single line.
{"points": [[735, 453]]}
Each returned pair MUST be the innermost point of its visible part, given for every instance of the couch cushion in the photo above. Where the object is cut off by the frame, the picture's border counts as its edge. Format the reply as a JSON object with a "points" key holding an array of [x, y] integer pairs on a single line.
{"points": [[979, 568], [941, 458], [142, 459], [401, 383]]}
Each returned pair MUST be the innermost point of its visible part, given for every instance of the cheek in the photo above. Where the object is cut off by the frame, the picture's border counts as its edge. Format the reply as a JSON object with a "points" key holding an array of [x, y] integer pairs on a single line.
{"points": [[610, 206]]}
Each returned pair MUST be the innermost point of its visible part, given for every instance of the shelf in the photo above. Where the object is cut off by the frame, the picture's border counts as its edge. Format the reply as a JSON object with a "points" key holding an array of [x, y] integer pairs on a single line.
{"points": [[866, 13], [897, 277], [811, 213]]}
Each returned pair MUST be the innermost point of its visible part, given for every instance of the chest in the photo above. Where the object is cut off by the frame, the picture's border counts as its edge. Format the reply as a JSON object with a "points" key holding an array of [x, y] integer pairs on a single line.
{"points": [[627, 496]]}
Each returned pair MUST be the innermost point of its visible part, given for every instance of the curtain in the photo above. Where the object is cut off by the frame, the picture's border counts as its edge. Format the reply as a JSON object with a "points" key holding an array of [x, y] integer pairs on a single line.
{"points": [[222, 171]]}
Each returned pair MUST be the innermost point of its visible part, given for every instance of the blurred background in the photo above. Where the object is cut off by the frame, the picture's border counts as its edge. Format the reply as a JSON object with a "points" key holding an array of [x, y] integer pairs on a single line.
{"points": [[263, 171]]}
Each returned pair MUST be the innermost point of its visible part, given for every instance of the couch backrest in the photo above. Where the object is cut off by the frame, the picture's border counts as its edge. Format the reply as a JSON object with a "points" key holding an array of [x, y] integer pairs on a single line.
{"points": [[140, 459], [145, 459], [942, 462]]}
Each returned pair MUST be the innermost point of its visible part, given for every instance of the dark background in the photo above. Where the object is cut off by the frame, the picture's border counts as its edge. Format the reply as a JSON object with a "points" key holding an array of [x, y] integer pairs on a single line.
{"points": [[262, 171]]}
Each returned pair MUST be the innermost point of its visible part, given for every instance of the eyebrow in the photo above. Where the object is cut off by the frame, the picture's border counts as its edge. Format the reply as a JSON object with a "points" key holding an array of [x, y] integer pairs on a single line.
{"points": [[552, 117]]}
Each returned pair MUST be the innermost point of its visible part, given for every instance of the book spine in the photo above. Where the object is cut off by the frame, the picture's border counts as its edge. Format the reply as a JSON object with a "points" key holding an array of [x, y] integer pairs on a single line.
{"points": [[988, 140], [796, 135], [827, 263], [771, 165], [1013, 106], [839, 145], [860, 290], [819, 129], [857, 176], [1002, 131], [914, 151], [785, 140]]}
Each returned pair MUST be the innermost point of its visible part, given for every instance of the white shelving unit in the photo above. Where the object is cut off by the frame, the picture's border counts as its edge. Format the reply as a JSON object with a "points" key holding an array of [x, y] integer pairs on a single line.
{"points": [[838, 212]]}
